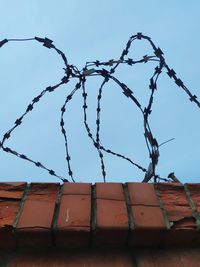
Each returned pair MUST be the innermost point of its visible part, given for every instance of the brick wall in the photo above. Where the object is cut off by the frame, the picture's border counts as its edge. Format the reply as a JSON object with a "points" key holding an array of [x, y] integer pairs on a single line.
{"points": [[104, 215]]}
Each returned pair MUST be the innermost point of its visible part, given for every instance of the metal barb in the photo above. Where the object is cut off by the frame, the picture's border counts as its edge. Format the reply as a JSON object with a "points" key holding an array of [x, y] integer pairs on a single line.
{"points": [[106, 70]]}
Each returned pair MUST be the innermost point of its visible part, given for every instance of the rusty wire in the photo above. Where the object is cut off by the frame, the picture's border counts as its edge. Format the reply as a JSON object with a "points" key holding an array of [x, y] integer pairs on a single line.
{"points": [[106, 70]]}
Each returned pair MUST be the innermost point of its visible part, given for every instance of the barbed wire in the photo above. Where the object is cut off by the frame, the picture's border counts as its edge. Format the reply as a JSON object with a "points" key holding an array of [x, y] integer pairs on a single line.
{"points": [[98, 68]]}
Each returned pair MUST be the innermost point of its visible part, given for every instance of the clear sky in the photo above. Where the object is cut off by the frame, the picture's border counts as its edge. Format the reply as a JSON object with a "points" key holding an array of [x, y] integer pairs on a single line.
{"points": [[85, 31]]}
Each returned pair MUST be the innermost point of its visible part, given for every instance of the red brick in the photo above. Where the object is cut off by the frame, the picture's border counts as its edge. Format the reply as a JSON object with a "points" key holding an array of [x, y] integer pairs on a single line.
{"points": [[176, 205], [182, 222], [194, 190], [76, 189], [8, 212], [73, 224], [12, 190], [142, 194], [180, 216], [74, 212], [111, 215], [109, 191], [36, 214], [72, 228], [10, 199], [147, 216], [149, 226], [145, 206], [34, 225], [43, 192]]}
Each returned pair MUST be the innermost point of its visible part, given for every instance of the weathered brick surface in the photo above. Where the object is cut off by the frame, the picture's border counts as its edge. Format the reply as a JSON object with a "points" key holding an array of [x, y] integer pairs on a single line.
{"points": [[112, 191], [142, 194], [147, 216], [194, 191], [182, 222], [111, 215], [35, 221], [76, 189], [145, 206], [106, 215], [14, 191], [176, 206], [73, 223], [10, 198]]}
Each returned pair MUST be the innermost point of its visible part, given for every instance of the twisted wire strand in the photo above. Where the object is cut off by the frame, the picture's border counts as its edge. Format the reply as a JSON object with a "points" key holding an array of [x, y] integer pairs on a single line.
{"points": [[98, 68]]}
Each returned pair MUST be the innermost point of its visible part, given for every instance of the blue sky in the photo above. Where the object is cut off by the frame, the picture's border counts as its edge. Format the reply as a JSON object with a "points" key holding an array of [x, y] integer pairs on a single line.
{"points": [[85, 31]]}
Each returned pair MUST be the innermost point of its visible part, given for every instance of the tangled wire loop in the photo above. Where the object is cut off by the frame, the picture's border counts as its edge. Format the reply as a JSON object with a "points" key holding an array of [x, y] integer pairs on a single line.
{"points": [[97, 68]]}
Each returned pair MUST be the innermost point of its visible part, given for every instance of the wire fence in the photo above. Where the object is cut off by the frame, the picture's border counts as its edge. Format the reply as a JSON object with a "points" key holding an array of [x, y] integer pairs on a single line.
{"points": [[106, 70]]}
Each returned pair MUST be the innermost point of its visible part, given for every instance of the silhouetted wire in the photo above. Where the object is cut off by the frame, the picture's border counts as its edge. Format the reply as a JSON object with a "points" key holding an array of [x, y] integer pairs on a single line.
{"points": [[97, 68], [21, 39], [163, 143]]}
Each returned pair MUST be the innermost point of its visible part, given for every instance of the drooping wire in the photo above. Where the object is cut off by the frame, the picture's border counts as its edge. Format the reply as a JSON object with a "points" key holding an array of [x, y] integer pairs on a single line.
{"points": [[97, 68]]}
